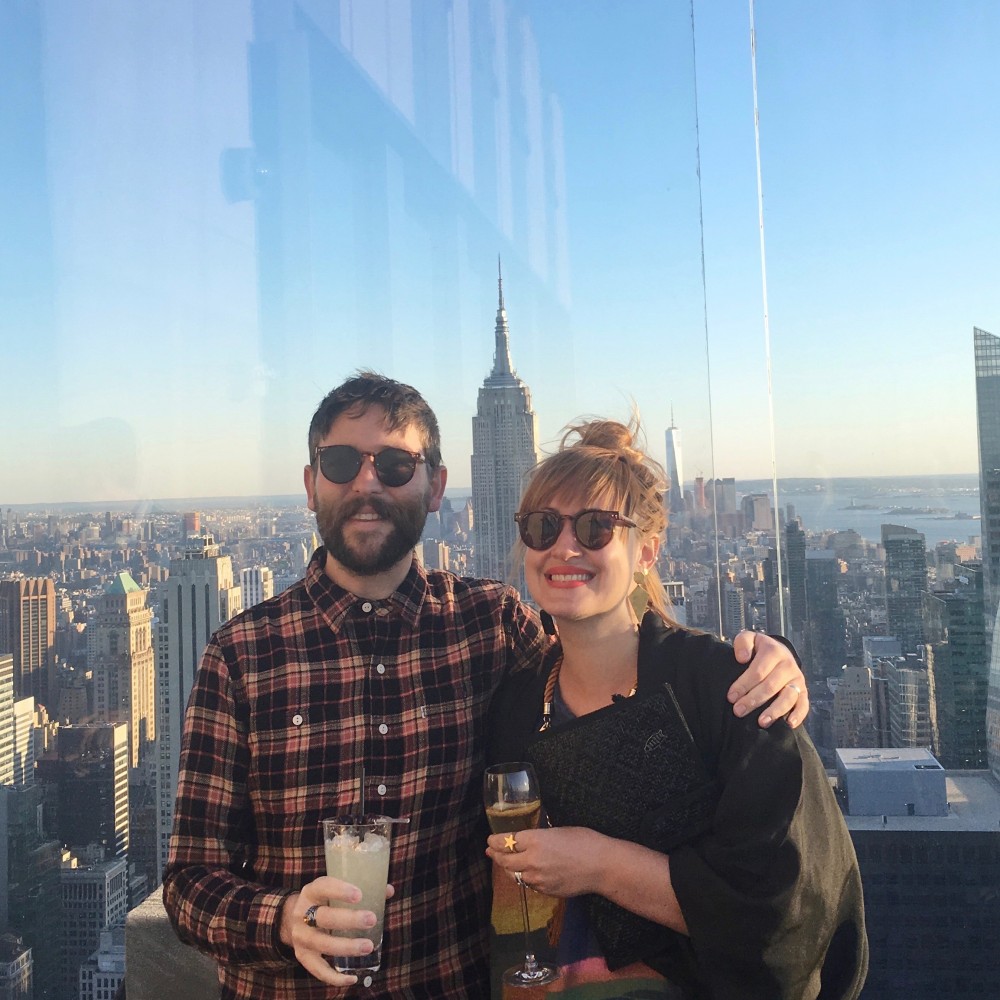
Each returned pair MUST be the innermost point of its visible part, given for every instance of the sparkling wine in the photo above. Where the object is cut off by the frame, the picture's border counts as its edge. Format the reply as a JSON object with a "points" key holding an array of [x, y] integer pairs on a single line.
{"points": [[515, 817]]}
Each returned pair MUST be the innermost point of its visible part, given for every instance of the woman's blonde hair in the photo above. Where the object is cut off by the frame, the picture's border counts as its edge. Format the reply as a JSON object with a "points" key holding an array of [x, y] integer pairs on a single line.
{"points": [[605, 461]]}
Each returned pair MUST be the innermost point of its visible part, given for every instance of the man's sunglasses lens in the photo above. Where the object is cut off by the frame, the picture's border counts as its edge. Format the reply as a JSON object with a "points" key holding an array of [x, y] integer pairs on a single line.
{"points": [[394, 466], [340, 463], [540, 529]]}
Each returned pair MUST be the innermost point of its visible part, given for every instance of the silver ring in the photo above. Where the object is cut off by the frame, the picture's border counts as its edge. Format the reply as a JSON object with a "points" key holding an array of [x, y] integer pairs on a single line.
{"points": [[309, 917], [519, 879], [795, 688]]}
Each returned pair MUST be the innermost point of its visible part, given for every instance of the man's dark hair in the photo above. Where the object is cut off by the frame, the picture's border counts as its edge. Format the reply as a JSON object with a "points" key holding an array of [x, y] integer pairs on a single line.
{"points": [[402, 405]]}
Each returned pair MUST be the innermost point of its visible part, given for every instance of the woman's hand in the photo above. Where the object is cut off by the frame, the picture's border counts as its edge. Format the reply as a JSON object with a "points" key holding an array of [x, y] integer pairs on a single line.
{"points": [[772, 673], [564, 861], [572, 860]]}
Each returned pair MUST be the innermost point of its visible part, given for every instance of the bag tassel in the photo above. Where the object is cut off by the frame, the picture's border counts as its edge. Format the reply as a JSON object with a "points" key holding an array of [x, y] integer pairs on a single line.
{"points": [[556, 922]]}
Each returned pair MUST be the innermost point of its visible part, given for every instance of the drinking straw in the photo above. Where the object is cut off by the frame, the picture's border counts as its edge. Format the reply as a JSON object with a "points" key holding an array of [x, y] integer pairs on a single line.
{"points": [[361, 829]]}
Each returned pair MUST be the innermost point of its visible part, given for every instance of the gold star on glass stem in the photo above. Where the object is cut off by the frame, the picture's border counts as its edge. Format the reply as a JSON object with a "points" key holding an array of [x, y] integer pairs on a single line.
{"points": [[510, 842]]}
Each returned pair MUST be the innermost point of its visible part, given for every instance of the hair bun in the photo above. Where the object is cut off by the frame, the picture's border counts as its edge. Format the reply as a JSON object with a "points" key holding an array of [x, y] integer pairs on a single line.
{"points": [[609, 435]]}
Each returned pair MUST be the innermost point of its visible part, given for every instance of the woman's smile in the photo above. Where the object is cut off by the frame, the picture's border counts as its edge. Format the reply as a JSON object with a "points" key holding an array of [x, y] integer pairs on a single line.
{"points": [[568, 576]]}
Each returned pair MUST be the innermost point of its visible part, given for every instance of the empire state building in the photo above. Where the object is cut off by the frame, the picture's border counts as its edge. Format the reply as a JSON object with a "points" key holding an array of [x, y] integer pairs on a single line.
{"points": [[504, 449]]}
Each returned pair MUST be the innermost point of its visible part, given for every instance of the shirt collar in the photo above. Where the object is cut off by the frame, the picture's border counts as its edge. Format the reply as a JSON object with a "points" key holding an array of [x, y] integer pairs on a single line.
{"points": [[335, 603]]}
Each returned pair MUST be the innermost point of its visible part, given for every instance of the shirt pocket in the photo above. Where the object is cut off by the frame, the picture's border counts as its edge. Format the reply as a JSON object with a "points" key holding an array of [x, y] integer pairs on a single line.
{"points": [[300, 766], [450, 723]]}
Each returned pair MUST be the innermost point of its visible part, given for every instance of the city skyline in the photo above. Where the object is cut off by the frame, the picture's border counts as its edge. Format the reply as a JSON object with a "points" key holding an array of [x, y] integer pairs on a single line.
{"points": [[844, 594], [161, 341]]}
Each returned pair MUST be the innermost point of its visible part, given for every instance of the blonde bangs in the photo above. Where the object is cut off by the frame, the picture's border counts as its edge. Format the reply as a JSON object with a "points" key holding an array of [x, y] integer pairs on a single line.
{"points": [[594, 476]]}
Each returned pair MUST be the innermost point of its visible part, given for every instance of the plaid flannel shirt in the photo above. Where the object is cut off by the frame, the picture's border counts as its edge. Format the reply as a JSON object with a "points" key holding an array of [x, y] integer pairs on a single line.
{"points": [[293, 698]]}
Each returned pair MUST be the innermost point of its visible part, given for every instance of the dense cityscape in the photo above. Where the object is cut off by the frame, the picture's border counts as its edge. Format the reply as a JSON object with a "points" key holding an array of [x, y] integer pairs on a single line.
{"points": [[103, 616]]}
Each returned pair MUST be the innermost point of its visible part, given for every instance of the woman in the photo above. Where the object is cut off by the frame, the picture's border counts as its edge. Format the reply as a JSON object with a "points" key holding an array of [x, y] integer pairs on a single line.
{"points": [[758, 893]]}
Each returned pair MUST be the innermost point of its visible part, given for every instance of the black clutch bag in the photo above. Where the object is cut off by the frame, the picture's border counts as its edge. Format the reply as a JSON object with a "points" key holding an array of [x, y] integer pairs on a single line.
{"points": [[630, 771]]}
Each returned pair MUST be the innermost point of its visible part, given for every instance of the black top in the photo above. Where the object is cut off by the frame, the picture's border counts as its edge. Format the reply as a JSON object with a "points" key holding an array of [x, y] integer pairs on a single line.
{"points": [[771, 893]]}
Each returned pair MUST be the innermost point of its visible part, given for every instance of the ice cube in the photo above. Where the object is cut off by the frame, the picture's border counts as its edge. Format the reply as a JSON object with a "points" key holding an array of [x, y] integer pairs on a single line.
{"points": [[373, 842]]}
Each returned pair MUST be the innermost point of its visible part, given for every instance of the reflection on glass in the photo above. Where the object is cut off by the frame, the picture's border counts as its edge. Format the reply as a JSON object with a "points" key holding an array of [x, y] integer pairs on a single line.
{"points": [[213, 213]]}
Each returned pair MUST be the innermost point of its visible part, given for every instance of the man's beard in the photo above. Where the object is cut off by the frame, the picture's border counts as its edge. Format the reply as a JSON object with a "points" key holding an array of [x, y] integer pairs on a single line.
{"points": [[373, 556]]}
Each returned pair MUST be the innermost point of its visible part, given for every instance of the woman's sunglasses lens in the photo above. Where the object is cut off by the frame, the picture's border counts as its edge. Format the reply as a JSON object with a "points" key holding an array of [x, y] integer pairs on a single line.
{"points": [[539, 530], [549, 527], [593, 529]]}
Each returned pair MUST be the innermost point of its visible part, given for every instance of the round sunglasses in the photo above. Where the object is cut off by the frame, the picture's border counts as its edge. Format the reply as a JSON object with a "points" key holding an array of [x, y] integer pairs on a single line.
{"points": [[340, 463], [592, 528]]}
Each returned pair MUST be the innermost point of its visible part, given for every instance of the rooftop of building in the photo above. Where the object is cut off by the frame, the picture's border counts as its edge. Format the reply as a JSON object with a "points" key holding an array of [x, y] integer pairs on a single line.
{"points": [[973, 807], [123, 584], [887, 759], [11, 947]]}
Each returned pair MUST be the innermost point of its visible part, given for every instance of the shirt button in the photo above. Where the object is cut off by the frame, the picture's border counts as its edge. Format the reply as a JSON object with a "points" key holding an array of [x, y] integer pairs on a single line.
{"points": [[380, 668], [381, 789], [297, 719], [383, 729], [367, 981], [366, 607]]}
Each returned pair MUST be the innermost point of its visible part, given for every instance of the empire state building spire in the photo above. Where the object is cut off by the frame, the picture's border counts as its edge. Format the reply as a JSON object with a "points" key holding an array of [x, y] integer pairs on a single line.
{"points": [[503, 371], [504, 449]]}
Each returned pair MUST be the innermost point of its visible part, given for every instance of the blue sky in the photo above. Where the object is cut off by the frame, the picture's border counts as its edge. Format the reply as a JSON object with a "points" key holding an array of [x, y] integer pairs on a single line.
{"points": [[161, 339]]}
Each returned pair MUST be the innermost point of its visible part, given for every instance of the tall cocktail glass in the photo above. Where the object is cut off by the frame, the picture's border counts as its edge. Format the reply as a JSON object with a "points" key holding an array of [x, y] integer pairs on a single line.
{"points": [[357, 851]]}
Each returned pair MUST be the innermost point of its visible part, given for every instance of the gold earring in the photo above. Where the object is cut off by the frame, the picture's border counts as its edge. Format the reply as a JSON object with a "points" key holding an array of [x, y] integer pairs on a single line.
{"points": [[639, 597]]}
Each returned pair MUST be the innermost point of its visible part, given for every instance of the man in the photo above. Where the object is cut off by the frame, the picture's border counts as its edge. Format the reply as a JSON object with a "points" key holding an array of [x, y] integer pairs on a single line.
{"points": [[370, 671]]}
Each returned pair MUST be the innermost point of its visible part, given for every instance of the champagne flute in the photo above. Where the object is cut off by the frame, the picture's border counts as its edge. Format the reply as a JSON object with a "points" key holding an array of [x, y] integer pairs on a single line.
{"points": [[513, 803]]}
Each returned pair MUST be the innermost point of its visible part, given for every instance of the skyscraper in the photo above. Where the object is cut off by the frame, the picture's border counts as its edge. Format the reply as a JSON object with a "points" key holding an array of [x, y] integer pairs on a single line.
{"points": [[757, 513], [826, 627], [121, 656], [910, 722], [104, 971], [30, 884], [24, 742], [987, 353], [795, 560], [193, 603], [88, 771], [16, 968], [853, 709], [733, 612], [675, 467], [905, 584], [29, 867], [256, 585], [28, 630], [504, 449], [6, 722], [94, 897], [958, 669], [927, 844]]}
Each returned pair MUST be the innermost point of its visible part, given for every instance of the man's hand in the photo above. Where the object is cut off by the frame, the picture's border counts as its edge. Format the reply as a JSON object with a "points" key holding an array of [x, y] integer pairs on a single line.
{"points": [[312, 942], [772, 671]]}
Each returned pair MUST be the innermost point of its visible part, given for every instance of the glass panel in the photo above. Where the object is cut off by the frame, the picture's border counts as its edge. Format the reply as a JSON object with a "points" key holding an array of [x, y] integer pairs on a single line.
{"points": [[212, 213]]}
